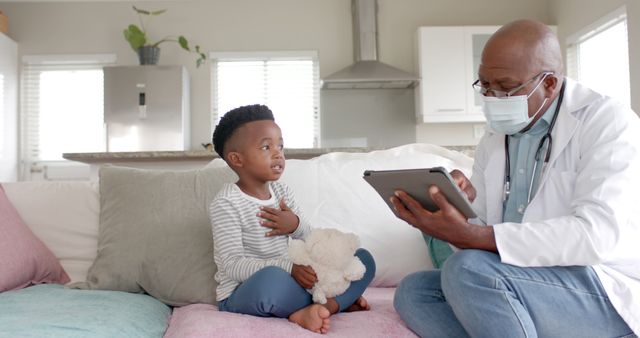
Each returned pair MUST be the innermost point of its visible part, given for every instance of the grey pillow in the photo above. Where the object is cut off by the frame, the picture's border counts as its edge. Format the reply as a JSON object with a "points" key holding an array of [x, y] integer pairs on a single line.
{"points": [[155, 234]]}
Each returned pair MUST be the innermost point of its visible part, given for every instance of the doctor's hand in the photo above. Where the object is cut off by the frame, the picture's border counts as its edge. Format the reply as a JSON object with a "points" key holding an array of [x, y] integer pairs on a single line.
{"points": [[464, 184], [282, 221], [447, 224]]}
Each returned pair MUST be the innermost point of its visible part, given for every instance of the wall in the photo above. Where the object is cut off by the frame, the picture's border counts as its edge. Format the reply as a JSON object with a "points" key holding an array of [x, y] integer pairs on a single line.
{"points": [[378, 118], [8, 109], [220, 25], [245, 25], [397, 29], [574, 15]]}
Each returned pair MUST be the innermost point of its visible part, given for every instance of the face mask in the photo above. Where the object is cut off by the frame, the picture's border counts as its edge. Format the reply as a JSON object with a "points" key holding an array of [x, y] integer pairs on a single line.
{"points": [[510, 114]]}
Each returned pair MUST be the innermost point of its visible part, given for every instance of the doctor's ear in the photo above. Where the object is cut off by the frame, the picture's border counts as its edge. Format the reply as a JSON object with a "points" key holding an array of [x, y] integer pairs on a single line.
{"points": [[550, 84]]}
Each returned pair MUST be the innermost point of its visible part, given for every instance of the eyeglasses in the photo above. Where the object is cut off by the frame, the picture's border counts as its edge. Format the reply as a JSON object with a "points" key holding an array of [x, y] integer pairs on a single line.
{"points": [[501, 93]]}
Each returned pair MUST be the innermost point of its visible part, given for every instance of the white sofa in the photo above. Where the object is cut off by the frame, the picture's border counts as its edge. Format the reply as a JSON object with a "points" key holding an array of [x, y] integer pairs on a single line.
{"points": [[329, 189]]}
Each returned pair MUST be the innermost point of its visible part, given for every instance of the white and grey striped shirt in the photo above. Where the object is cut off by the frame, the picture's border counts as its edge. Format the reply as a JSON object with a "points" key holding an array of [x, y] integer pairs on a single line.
{"points": [[240, 247]]}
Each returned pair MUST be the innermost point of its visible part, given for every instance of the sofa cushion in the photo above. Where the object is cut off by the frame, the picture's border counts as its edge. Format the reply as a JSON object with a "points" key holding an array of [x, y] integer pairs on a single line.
{"points": [[24, 259], [331, 192], [202, 320], [64, 215], [56, 311], [155, 235]]}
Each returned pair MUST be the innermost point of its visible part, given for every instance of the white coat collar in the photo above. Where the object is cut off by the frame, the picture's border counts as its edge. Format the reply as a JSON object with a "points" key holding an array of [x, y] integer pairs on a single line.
{"points": [[576, 97]]}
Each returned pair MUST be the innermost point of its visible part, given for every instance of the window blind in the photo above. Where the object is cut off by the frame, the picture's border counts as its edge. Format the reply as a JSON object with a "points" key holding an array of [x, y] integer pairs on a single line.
{"points": [[62, 105], [287, 83]]}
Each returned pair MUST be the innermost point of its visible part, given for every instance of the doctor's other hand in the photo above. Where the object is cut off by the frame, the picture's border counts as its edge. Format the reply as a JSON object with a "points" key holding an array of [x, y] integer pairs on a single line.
{"points": [[464, 184], [447, 223]]}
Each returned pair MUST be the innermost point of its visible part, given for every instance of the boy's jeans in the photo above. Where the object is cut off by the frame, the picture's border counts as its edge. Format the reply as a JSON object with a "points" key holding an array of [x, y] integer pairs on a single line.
{"points": [[272, 291], [476, 295]]}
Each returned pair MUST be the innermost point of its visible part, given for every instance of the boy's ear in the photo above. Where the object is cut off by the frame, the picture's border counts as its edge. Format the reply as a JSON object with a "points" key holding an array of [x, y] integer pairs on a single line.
{"points": [[234, 159]]}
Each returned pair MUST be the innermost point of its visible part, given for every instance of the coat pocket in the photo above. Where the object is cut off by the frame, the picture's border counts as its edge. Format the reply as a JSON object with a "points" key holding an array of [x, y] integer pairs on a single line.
{"points": [[556, 195]]}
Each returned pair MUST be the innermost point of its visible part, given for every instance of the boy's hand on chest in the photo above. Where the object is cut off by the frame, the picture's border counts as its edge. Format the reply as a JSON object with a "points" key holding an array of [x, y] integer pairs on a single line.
{"points": [[281, 221]]}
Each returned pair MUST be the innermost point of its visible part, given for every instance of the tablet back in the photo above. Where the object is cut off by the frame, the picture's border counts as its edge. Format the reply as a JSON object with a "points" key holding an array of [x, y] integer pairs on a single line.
{"points": [[416, 183]]}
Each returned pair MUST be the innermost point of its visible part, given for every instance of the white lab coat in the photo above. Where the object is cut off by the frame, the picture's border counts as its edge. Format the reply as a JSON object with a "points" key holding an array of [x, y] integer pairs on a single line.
{"points": [[586, 210]]}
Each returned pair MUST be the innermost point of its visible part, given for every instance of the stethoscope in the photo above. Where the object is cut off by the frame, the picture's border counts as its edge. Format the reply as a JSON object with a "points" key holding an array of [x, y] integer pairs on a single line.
{"points": [[546, 139]]}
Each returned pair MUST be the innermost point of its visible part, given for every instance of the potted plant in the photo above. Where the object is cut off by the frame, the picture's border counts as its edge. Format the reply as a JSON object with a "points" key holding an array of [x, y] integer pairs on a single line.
{"points": [[149, 51]]}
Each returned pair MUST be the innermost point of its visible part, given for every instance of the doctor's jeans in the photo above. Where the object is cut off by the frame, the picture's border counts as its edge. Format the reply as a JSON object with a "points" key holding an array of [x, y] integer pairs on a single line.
{"points": [[272, 292], [476, 295]]}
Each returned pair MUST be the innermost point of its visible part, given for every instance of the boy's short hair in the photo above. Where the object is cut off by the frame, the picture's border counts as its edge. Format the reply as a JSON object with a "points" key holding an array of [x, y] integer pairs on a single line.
{"points": [[235, 118]]}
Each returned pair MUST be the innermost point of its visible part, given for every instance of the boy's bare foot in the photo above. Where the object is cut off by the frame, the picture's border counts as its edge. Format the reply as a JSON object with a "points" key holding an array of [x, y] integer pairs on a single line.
{"points": [[360, 304], [314, 317]]}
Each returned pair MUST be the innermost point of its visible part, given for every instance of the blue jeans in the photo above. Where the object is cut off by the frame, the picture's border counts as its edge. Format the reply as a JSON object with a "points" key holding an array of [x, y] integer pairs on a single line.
{"points": [[272, 292], [476, 295]]}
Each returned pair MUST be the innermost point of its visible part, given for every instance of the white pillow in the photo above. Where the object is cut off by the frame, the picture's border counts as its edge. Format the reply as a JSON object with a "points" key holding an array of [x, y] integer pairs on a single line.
{"points": [[331, 192], [65, 216]]}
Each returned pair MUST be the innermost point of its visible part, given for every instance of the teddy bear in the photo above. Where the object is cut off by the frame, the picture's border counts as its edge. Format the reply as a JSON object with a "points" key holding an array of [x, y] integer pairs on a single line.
{"points": [[330, 253]]}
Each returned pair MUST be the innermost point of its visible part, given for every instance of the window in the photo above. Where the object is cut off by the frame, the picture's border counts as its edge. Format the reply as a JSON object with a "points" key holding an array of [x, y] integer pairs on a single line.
{"points": [[606, 40], [287, 82], [62, 105]]}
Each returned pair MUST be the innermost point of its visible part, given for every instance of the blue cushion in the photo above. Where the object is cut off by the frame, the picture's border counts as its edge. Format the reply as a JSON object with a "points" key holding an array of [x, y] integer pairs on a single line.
{"points": [[55, 311]]}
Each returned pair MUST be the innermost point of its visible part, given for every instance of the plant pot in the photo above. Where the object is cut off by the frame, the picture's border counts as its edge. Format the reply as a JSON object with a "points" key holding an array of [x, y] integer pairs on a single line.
{"points": [[148, 55]]}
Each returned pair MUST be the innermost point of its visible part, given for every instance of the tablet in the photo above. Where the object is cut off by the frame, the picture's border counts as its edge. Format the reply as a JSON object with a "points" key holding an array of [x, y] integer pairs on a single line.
{"points": [[416, 183]]}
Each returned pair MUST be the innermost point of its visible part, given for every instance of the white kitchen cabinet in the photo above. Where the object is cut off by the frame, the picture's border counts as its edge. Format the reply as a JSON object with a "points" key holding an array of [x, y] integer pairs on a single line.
{"points": [[8, 109], [448, 59]]}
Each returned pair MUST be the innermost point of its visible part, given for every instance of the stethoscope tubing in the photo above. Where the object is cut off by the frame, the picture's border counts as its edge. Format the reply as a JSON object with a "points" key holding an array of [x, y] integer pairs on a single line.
{"points": [[545, 138]]}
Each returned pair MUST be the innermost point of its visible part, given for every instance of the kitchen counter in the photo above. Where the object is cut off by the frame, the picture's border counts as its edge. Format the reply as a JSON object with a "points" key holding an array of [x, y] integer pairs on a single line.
{"points": [[205, 155], [189, 155], [194, 159]]}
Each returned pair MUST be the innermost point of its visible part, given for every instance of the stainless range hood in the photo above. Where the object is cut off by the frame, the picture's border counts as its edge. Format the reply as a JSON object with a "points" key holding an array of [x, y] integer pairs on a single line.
{"points": [[367, 72]]}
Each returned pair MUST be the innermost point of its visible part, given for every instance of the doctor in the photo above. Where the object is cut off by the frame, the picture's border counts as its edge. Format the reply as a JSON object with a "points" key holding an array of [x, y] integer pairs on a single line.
{"points": [[556, 181]]}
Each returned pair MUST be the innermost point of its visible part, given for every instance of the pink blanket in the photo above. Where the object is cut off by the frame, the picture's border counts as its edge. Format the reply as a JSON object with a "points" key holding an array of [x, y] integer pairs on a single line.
{"points": [[200, 320]]}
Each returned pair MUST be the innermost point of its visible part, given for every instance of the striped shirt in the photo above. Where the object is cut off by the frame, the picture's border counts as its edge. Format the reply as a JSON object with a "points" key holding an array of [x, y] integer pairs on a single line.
{"points": [[240, 247]]}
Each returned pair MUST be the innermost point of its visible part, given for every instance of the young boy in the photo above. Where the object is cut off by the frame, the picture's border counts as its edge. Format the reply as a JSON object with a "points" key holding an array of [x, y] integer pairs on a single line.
{"points": [[252, 220]]}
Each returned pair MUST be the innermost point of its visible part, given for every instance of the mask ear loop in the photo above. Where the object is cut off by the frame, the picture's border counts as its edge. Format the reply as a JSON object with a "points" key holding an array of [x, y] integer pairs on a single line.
{"points": [[538, 85], [539, 109], [534, 90]]}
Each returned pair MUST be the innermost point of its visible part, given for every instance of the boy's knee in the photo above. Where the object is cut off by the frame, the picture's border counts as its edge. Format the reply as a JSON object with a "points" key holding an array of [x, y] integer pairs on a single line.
{"points": [[271, 272], [268, 277], [369, 263], [273, 286]]}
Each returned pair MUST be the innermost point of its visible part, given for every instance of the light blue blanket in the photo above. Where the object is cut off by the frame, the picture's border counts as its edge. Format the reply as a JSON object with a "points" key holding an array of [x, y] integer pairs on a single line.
{"points": [[54, 311]]}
